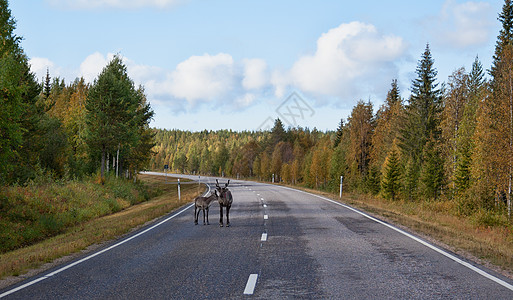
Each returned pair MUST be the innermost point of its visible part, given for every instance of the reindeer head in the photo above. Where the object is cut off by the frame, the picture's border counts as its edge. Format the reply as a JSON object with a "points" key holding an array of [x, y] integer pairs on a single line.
{"points": [[222, 190]]}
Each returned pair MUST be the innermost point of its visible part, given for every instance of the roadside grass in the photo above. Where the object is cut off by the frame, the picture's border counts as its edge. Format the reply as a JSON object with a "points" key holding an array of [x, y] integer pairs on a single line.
{"points": [[98, 229], [37, 211]]}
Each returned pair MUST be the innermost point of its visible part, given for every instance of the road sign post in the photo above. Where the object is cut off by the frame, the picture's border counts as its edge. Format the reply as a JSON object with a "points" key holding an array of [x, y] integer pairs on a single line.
{"points": [[179, 190], [341, 179]]}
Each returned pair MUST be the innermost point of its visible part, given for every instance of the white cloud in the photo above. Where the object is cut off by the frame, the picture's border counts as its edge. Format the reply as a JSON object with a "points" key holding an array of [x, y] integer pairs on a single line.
{"points": [[350, 61], [245, 100], [462, 25], [122, 4], [280, 80], [92, 66], [203, 78], [255, 74], [197, 80], [39, 65]]}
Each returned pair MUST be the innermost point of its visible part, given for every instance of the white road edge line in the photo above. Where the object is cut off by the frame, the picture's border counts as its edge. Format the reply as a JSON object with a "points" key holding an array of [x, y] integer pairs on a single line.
{"points": [[446, 254], [250, 285], [264, 237], [94, 254]]}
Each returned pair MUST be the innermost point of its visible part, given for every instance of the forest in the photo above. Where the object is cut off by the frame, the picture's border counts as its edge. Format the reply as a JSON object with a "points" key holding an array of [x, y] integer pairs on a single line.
{"points": [[67, 131], [450, 141]]}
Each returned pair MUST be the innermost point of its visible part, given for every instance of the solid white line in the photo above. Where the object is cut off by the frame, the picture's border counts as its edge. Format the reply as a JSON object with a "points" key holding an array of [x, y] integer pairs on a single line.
{"points": [[250, 285], [264, 237], [446, 254], [266, 217], [94, 254]]}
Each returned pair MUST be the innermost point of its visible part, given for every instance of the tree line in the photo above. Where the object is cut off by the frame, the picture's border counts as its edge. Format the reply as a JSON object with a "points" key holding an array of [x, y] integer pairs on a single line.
{"points": [[60, 130], [451, 141]]}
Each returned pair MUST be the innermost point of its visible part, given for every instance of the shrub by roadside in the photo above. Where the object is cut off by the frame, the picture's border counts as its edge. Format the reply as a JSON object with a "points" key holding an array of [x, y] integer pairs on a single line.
{"points": [[34, 212]]}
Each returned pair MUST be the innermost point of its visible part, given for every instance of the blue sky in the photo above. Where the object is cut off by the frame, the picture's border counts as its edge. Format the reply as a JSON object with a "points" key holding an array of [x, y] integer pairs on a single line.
{"points": [[240, 64]]}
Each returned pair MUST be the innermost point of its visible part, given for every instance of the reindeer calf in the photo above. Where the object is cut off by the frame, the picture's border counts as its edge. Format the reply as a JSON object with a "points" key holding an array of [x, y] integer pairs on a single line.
{"points": [[202, 204]]}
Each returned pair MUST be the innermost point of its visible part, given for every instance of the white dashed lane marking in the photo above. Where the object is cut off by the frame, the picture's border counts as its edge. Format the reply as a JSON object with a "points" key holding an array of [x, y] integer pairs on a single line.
{"points": [[250, 285]]}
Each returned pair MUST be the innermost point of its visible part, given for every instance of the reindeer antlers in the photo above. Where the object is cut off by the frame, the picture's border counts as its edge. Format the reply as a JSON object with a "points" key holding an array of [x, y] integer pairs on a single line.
{"points": [[225, 185]]}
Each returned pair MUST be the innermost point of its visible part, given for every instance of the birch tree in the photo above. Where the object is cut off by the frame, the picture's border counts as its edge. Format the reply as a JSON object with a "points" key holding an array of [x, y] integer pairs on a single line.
{"points": [[111, 106]]}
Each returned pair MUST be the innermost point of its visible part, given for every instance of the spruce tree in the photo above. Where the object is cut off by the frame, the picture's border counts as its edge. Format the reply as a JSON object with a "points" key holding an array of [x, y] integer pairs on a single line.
{"points": [[339, 133], [20, 116], [391, 181], [432, 173], [422, 119], [505, 36], [47, 88], [277, 133], [393, 95]]}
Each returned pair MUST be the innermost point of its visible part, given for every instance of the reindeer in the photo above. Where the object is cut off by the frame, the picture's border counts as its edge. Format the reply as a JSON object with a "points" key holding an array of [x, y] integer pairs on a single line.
{"points": [[202, 204], [225, 200]]}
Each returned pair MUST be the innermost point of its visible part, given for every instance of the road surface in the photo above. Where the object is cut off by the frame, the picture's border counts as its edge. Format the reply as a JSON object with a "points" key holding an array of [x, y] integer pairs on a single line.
{"points": [[282, 243]]}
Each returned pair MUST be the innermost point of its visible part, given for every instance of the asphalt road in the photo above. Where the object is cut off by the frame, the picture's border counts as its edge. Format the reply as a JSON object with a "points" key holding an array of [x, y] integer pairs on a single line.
{"points": [[282, 244]]}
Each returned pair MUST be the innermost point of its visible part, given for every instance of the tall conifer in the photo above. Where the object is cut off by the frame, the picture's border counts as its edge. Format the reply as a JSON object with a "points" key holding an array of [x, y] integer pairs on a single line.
{"points": [[391, 182], [422, 119], [505, 36]]}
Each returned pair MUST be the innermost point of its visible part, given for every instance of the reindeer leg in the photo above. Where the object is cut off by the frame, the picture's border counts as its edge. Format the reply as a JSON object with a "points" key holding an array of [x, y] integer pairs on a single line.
{"points": [[228, 216], [204, 216], [221, 215], [196, 216], [207, 216]]}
